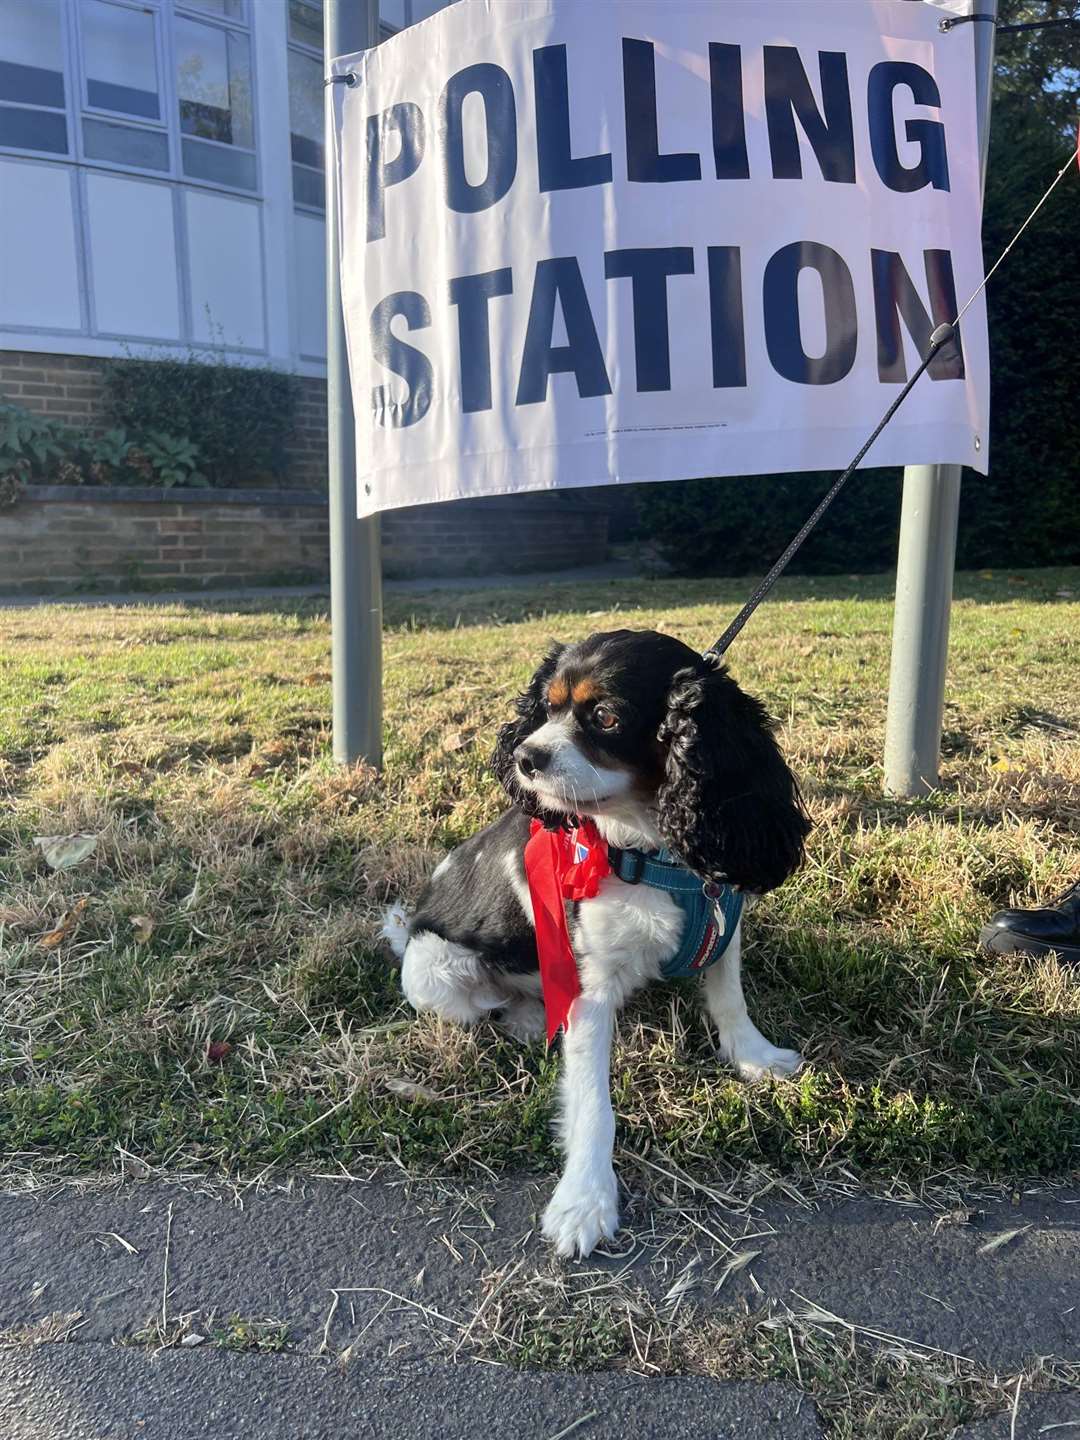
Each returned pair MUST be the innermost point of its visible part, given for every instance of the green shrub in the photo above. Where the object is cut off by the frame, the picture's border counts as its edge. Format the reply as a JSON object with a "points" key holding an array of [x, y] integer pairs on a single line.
{"points": [[35, 450], [1024, 512], [174, 461], [739, 526], [237, 418]]}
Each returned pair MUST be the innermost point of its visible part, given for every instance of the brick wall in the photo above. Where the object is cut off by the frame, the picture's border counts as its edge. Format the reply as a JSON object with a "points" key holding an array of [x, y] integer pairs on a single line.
{"points": [[67, 387], [64, 537], [61, 538], [548, 531], [306, 450]]}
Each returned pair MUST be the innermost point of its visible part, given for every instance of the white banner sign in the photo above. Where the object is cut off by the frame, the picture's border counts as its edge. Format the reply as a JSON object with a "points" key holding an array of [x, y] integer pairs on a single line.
{"points": [[592, 241]]}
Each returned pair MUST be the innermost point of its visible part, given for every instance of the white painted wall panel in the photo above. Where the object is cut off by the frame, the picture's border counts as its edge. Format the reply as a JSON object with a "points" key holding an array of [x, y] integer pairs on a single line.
{"points": [[310, 285], [133, 257], [226, 270], [39, 272]]}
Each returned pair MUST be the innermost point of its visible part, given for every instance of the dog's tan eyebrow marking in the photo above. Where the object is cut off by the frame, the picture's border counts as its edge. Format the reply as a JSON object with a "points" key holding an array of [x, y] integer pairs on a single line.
{"points": [[558, 693], [584, 691]]}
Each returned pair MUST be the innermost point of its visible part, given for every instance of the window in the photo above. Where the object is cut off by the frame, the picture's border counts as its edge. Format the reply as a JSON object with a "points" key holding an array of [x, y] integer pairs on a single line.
{"points": [[32, 95], [306, 23], [421, 9], [213, 86], [120, 96], [226, 9], [119, 49], [306, 127], [395, 15], [306, 103]]}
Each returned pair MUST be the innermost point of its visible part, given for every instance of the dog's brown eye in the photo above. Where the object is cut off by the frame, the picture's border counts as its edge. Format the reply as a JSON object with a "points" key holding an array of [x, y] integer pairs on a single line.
{"points": [[604, 718]]}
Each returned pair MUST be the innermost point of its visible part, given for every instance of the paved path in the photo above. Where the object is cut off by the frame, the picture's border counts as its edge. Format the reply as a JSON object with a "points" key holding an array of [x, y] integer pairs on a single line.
{"points": [[610, 570], [407, 1263]]}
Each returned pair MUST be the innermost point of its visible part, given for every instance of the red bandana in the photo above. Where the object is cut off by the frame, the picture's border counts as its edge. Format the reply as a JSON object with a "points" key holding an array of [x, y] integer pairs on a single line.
{"points": [[561, 866]]}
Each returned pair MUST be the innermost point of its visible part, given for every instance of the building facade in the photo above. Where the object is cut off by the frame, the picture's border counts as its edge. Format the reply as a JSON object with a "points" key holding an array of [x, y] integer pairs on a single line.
{"points": [[162, 177], [162, 193]]}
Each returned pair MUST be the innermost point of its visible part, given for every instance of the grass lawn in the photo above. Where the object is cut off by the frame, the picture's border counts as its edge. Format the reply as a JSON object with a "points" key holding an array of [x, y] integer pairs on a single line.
{"points": [[204, 989]]}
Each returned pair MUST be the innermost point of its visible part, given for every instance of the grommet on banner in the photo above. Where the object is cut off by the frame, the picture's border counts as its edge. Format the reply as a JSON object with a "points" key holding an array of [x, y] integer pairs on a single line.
{"points": [[349, 78], [949, 22]]}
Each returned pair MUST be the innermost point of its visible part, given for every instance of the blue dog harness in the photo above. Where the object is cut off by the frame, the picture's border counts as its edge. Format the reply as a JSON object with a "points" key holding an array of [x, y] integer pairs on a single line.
{"points": [[712, 911]]}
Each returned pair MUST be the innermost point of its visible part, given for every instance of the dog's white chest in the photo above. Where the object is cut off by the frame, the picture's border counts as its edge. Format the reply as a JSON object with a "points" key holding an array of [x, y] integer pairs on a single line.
{"points": [[624, 935]]}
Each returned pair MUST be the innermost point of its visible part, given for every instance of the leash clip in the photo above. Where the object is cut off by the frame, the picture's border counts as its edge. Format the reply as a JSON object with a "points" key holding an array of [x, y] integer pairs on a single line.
{"points": [[713, 892]]}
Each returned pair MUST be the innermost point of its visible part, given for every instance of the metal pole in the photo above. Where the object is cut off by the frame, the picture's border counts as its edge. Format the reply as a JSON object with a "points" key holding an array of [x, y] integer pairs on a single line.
{"points": [[355, 559], [927, 559]]}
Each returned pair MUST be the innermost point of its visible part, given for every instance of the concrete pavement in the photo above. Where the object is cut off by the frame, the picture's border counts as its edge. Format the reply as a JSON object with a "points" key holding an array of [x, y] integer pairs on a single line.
{"points": [[407, 1265]]}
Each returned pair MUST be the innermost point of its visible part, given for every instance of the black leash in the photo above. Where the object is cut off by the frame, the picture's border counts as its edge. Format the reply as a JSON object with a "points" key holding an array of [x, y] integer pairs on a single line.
{"points": [[941, 336]]}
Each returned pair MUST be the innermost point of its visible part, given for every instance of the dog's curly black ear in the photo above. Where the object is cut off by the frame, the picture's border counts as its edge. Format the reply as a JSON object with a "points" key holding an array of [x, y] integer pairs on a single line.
{"points": [[529, 716], [729, 806]]}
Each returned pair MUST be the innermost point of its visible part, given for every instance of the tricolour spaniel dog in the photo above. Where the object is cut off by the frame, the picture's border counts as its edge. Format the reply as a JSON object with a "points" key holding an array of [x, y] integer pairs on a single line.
{"points": [[679, 770]]}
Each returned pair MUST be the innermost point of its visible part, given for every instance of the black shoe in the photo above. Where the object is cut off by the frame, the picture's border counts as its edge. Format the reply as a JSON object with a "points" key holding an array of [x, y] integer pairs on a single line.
{"points": [[1037, 932]]}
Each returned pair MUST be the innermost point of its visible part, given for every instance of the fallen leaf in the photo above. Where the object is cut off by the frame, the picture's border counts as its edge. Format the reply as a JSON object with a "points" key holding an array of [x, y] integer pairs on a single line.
{"points": [[1002, 765], [317, 677], [409, 1090], [456, 740], [63, 851], [67, 923], [218, 1051], [143, 927]]}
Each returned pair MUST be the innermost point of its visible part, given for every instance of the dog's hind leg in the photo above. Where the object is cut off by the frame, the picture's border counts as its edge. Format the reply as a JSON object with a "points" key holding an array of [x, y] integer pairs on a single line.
{"points": [[741, 1042], [449, 979]]}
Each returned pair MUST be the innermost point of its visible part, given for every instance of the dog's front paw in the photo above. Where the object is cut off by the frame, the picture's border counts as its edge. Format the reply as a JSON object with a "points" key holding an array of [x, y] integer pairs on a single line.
{"points": [[773, 1065], [583, 1211], [754, 1058]]}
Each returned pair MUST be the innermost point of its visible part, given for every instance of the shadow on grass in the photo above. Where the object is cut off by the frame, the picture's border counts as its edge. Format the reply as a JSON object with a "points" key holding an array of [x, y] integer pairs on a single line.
{"points": [[918, 1072], [467, 605]]}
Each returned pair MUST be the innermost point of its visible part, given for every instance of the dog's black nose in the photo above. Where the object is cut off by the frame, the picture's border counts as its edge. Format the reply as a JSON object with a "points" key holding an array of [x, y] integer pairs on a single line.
{"points": [[531, 759]]}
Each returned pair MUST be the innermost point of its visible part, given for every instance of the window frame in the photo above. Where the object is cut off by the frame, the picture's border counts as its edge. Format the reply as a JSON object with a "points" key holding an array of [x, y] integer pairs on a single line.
{"points": [[193, 11], [182, 11], [76, 105], [99, 112], [69, 153], [318, 55]]}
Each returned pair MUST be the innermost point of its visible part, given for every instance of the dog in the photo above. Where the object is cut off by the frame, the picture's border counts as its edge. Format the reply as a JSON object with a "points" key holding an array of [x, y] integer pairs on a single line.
{"points": [[659, 748]]}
